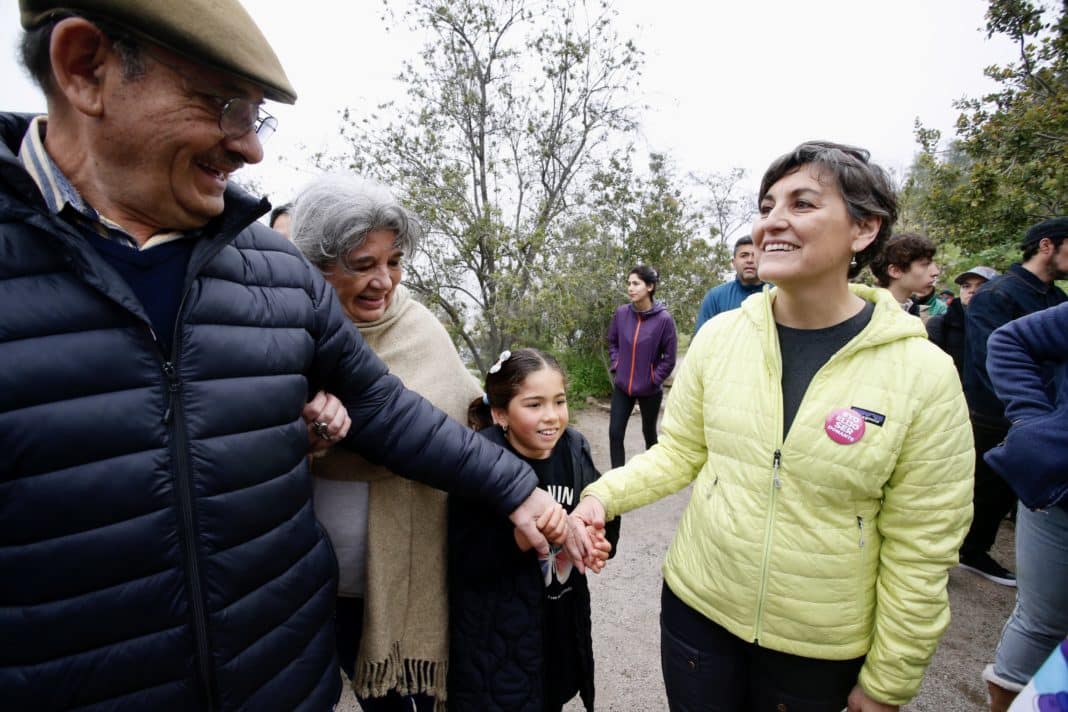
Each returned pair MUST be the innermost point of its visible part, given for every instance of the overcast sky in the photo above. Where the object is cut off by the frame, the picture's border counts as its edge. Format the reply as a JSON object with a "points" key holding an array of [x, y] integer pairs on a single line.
{"points": [[726, 83]]}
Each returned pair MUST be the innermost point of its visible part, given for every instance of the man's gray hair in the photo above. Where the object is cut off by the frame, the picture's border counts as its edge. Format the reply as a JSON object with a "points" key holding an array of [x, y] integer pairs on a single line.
{"points": [[333, 215]]}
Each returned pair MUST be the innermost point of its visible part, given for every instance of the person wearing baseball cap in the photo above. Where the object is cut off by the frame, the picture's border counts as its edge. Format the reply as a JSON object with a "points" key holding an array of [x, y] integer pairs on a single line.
{"points": [[1024, 288], [947, 330], [158, 348]]}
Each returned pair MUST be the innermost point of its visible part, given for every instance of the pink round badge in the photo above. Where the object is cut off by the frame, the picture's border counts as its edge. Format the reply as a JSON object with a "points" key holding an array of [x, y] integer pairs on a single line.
{"points": [[845, 426]]}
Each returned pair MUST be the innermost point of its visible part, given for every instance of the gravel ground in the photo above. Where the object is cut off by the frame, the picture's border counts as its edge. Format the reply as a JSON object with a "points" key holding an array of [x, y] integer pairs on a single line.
{"points": [[626, 606]]}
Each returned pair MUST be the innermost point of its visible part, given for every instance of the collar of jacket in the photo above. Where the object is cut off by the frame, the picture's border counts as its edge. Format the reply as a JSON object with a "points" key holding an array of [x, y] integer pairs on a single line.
{"points": [[888, 323], [574, 449], [656, 308], [1029, 278], [955, 313], [21, 201]]}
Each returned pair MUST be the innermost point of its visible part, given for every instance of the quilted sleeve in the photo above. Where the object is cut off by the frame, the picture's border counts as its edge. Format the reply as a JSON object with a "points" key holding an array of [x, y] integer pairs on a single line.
{"points": [[927, 508], [1016, 356], [676, 459], [398, 428]]}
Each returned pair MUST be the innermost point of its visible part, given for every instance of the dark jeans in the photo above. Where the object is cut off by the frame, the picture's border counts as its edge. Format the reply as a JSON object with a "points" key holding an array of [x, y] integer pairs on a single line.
{"points": [[706, 669], [622, 405], [348, 627], [993, 498]]}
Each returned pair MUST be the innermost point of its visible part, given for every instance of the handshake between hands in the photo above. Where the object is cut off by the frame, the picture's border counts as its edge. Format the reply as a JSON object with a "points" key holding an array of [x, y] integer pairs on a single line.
{"points": [[582, 533]]}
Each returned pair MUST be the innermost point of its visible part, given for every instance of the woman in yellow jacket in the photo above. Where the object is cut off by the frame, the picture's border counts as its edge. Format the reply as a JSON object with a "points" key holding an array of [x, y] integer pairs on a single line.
{"points": [[831, 459]]}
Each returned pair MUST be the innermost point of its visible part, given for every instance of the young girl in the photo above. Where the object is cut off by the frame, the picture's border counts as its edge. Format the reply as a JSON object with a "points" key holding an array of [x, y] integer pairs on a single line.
{"points": [[520, 627]]}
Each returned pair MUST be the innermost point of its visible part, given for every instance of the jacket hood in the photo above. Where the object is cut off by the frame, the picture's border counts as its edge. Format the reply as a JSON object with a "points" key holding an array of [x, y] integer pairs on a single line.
{"points": [[888, 322], [655, 309]]}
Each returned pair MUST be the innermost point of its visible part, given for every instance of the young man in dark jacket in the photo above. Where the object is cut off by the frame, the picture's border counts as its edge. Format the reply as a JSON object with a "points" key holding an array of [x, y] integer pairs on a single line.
{"points": [[158, 548], [1023, 289]]}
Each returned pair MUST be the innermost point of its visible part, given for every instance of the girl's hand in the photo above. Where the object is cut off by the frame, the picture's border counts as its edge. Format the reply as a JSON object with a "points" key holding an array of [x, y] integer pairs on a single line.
{"points": [[860, 702], [521, 541], [327, 420], [553, 524], [601, 549], [588, 514]]}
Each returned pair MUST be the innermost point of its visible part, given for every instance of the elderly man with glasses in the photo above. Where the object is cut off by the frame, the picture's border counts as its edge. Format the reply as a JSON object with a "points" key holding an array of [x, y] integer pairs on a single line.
{"points": [[158, 548]]}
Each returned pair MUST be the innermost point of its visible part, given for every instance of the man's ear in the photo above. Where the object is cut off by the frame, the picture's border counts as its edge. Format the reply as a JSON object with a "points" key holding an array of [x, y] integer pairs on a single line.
{"points": [[894, 271], [79, 53]]}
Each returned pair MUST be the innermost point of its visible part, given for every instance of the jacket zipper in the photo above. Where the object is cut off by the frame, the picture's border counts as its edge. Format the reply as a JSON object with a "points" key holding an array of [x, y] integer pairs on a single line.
{"points": [[860, 528], [175, 421], [633, 357], [776, 485]]}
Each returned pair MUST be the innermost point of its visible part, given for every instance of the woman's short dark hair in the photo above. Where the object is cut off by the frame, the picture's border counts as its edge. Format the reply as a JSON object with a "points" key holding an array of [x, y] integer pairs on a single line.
{"points": [[505, 382], [864, 186], [648, 275]]}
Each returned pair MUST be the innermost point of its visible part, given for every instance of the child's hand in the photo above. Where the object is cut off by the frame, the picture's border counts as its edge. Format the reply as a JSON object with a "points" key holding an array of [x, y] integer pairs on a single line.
{"points": [[521, 541], [600, 550], [553, 524]]}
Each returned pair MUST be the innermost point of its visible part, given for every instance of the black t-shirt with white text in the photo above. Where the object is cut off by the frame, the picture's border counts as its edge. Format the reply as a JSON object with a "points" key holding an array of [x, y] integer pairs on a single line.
{"points": [[564, 589]]}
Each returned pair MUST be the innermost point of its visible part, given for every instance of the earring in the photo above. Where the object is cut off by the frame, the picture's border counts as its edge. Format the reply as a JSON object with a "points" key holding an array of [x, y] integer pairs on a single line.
{"points": [[853, 261], [505, 429]]}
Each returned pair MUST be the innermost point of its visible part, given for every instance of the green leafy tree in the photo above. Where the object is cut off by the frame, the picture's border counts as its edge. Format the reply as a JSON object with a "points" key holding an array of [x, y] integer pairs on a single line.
{"points": [[512, 107], [1008, 167], [634, 217]]}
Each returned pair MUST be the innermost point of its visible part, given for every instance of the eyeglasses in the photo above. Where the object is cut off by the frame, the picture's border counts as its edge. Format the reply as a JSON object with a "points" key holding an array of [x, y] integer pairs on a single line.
{"points": [[238, 115]]}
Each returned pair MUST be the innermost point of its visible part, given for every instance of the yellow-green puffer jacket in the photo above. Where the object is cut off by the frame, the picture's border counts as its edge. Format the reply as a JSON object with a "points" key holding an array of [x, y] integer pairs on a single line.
{"points": [[840, 550]]}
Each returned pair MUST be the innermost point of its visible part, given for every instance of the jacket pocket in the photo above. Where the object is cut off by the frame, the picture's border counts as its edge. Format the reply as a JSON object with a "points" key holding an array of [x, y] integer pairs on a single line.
{"points": [[866, 548]]}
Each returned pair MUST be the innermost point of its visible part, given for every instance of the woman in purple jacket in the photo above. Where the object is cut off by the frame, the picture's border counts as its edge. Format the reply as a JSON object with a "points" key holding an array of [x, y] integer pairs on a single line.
{"points": [[641, 350]]}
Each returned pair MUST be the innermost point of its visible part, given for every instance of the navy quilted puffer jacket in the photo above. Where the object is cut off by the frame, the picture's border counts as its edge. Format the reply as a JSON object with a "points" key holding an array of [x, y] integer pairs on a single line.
{"points": [[158, 548]]}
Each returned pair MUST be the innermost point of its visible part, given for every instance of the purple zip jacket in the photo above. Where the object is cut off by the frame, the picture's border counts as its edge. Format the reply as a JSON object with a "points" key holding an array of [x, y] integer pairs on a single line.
{"points": [[641, 348]]}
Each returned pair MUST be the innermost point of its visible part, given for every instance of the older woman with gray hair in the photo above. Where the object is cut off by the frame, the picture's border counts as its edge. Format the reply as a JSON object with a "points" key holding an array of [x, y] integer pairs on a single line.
{"points": [[389, 533]]}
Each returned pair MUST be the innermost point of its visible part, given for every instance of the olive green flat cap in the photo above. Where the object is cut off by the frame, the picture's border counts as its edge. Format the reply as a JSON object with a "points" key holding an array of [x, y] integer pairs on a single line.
{"points": [[218, 33]]}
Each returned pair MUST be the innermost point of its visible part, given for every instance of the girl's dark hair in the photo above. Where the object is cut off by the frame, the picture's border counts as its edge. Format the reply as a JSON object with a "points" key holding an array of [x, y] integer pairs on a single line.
{"points": [[865, 187], [502, 385], [648, 275]]}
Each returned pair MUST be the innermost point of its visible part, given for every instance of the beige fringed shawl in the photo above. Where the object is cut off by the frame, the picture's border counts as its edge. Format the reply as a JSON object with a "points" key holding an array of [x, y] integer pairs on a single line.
{"points": [[405, 639]]}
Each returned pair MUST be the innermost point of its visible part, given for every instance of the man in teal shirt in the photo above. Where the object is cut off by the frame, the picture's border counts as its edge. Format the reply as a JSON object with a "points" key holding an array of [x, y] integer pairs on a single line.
{"points": [[730, 295]]}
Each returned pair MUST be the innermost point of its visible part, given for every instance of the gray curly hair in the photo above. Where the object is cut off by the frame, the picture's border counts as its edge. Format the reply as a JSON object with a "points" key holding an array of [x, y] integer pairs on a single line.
{"points": [[333, 215]]}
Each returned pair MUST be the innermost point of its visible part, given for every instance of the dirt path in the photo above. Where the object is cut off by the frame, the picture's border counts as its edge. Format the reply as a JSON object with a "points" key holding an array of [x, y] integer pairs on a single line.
{"points": [[626, 607]]}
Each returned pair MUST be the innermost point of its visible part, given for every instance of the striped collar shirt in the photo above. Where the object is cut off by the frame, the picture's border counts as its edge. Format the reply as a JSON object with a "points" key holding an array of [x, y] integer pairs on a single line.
{"points": [[63, 199]]}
